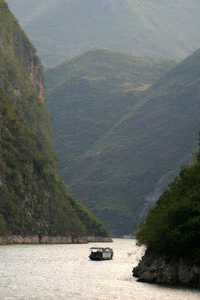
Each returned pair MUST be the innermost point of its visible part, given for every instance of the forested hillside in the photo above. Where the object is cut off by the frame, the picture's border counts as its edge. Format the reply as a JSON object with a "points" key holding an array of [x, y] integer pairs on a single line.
{"points": [[33, 200], [127, 166], [61, 29]]}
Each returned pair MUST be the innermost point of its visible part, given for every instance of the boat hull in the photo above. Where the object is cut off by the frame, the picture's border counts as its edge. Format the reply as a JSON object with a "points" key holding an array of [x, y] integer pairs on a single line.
{"points": [[99, 258]]}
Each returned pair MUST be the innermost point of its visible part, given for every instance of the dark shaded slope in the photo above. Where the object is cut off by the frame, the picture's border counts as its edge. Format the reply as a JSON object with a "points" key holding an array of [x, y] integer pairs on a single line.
{"points": [[126, 170], [87, 95]]}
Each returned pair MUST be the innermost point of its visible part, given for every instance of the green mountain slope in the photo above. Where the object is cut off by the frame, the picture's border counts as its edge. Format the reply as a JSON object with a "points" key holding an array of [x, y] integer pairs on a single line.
{"points": [[141, 153], [33, 200], [61, 29], [133, 162], [87, 96]]}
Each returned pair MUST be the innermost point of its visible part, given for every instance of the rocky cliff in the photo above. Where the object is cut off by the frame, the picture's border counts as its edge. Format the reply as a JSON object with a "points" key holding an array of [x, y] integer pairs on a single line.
{"points": [[172, 270]]}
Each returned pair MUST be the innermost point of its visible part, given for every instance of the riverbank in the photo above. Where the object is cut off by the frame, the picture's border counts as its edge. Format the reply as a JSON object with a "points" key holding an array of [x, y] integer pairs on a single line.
{"points": [[165, 269], [37, 239]]}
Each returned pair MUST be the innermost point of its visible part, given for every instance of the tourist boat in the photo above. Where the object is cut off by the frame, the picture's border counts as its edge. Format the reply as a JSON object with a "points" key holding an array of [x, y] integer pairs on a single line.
{"points": [[99, 253]]}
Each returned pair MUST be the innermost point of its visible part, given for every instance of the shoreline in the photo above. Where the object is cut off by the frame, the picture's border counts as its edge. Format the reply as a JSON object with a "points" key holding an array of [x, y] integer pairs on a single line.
{"points": [[37, 239], [166, 269]]}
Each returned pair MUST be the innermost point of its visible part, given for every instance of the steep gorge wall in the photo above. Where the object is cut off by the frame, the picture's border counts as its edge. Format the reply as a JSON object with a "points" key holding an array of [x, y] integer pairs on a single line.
{"points": [[16, 49], [33, 200], [21, 76]]}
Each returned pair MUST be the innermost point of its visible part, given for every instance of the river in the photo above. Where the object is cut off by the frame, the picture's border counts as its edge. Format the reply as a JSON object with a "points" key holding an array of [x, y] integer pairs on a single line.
{"points": [[65, 272]]}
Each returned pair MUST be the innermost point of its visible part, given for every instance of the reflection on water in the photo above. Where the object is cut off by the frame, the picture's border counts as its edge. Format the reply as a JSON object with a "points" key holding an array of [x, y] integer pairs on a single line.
{"points": [[66, 272]]}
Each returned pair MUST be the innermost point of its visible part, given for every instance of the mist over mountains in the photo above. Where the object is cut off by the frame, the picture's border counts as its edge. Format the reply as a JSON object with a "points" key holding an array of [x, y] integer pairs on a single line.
{"points": [[60, 29]]}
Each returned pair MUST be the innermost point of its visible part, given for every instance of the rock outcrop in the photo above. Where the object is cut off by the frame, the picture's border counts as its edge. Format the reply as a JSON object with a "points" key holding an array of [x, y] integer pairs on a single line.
{"points": [[155, 268], [37, 239]]}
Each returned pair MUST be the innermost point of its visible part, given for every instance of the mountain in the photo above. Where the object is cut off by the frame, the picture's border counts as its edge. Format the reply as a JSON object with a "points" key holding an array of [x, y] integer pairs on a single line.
{"points": [[126, 169], [87, 97], [61, 29], [33, 200], [136, 159]]}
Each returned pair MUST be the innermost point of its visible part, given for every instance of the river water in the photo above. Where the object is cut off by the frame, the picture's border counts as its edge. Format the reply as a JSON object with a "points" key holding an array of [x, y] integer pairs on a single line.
{"points": [[65, 272]]}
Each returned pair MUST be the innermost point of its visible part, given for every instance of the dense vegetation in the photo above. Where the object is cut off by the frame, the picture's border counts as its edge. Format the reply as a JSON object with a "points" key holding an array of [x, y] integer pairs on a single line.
{"points": [[33, 200], [132, 144], [173, 226], [61, 29]]}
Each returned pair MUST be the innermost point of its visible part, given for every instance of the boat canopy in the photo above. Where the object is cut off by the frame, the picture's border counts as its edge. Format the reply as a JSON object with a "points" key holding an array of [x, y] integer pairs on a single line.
{"points": [[100, 253], [101, 249]]}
